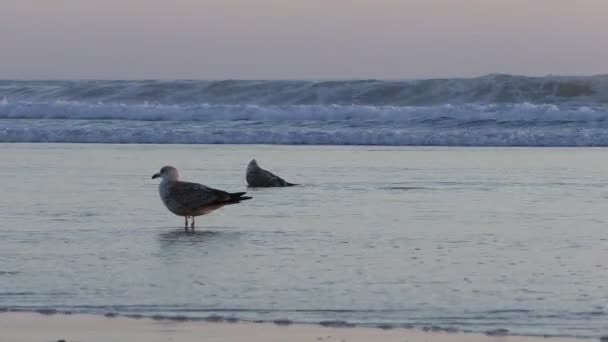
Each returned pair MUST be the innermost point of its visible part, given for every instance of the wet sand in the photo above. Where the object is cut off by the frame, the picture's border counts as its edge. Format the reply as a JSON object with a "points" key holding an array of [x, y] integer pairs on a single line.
{"points": [[33, 327]]}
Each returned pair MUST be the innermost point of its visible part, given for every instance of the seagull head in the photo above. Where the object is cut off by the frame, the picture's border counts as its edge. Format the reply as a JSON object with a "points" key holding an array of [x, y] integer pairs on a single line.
{"points": [[253, 163], [167, 173]]}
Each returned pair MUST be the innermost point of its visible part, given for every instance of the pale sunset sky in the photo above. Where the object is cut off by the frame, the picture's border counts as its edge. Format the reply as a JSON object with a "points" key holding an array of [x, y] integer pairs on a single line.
{"points": [[300, 39]]}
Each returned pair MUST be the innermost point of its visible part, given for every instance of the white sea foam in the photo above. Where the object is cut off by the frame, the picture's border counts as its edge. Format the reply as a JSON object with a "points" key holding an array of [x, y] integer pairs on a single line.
{"points": [[309, 134], [498, 110], [520, 112]]}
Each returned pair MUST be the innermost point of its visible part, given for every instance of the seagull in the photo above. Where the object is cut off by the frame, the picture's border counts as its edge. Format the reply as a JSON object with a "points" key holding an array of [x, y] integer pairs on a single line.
{"points": [[258, 177], [192, 199]]}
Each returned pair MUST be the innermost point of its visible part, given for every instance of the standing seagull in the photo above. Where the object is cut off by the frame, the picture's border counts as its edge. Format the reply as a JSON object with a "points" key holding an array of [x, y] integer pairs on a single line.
{"points": [[260, 178], [192, 199]]}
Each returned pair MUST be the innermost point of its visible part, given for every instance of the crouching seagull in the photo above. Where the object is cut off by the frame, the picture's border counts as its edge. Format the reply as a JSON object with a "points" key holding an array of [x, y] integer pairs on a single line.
{"points": [[260, 178], [192, 199]]}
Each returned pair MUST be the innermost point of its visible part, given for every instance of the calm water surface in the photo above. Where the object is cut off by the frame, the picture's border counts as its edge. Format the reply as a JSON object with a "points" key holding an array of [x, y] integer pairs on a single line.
{"points": [[472, 238]]}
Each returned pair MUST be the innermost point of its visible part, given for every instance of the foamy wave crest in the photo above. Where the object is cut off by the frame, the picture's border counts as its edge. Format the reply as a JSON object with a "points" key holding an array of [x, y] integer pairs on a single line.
{"points": [[305, 134], [522, 113], [498, 110], [486, 89]]}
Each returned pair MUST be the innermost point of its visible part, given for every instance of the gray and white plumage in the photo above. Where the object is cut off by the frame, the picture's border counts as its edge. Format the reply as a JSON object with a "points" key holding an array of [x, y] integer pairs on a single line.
{"points": [[192, 199], [258, 177]]}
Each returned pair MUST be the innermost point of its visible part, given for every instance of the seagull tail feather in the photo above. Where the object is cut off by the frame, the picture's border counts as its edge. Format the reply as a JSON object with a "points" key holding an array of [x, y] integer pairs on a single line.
{"points": [[236, 197]]}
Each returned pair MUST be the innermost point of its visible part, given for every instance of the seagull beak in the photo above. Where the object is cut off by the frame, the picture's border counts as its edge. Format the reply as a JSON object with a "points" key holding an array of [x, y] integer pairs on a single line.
{"points": [[156, 175]]}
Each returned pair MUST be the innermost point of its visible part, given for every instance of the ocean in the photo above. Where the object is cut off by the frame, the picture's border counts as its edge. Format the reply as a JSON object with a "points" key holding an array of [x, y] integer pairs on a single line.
{"points": [[454, 238], [493, 110]]}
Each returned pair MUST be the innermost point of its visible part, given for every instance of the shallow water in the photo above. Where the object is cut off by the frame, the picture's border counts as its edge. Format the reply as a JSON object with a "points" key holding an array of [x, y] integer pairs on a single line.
{"points": [[472, 238]]}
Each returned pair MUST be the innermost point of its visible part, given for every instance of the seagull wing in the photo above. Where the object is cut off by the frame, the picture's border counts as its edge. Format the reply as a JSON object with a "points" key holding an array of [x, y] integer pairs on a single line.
{"points": [[258, 177], [193, 196], [270, 179]]}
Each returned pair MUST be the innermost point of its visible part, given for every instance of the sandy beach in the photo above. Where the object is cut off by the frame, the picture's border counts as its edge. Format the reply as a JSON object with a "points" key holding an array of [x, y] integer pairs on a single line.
{"points": [[33, 327]]}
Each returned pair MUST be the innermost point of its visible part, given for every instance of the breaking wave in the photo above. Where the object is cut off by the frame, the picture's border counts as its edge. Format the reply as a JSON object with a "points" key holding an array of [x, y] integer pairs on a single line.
{"points": [[486, 89], [496, 110]]}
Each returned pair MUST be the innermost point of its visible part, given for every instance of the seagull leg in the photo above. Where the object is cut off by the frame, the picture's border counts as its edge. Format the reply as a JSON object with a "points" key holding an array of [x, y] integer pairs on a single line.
{"points": [[186, 223], [192, 224]]}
